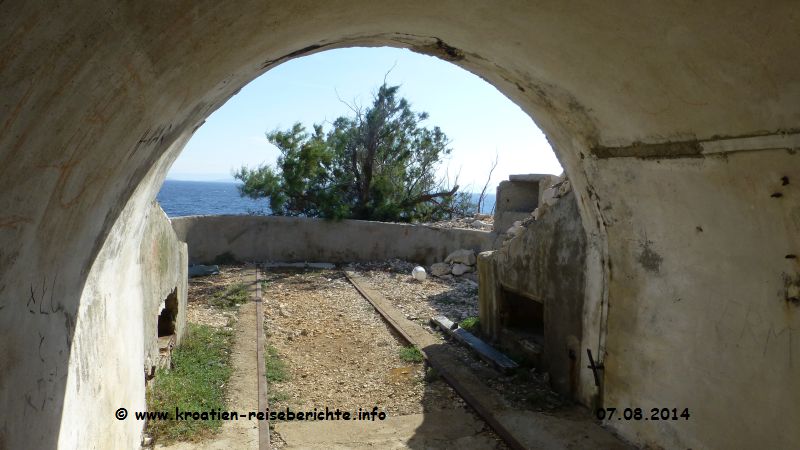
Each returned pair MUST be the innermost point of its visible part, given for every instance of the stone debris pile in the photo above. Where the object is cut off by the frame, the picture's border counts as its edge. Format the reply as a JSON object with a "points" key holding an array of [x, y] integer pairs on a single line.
{"points": [[476, 222], [458, 263]]}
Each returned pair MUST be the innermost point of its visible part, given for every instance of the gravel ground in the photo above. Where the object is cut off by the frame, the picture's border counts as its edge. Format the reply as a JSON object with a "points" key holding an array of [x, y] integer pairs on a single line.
{"points": [[341, 354], [453, 297], [203, 288], [339, 351]]}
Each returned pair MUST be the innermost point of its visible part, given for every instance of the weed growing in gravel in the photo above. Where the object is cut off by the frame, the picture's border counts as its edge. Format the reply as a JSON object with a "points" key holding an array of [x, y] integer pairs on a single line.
{"points": [[410, 354], [202, 367], [276, 396], [276, 372], [470, 324], [233, 296], [276, 369]]}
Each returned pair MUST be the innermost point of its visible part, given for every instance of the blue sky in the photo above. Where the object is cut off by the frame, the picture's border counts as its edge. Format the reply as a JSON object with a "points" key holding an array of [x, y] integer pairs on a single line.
{"points": [[476, 117]]}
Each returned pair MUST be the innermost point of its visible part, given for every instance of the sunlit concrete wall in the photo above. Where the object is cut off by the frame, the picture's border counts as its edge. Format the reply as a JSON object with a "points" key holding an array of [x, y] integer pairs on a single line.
{"points": [[115, 339], [164, 262], [297, 239], [668, 117], [700, 313]]}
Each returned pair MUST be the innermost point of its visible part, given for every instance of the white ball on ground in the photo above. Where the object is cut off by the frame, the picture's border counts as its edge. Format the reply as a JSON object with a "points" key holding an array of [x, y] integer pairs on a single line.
{"points": [[419, 273]]}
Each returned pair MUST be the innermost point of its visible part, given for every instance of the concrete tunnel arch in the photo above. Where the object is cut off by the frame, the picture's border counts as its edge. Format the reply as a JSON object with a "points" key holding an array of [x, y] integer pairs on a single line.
{"points": [[675, 124]]}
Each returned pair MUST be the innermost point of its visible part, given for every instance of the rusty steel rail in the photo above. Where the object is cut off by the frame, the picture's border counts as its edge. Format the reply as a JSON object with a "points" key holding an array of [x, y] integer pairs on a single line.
{"points": [[263, 403], [474, 392]]}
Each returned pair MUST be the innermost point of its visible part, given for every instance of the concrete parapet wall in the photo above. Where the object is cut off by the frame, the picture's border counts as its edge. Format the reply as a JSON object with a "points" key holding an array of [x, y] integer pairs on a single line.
{"points": [[271, 238]]}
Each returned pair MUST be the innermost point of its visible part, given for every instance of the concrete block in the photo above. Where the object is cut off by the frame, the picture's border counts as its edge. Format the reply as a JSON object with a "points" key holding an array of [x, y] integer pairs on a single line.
{"points": [[529, 177], [549, 196], [516, 196]]}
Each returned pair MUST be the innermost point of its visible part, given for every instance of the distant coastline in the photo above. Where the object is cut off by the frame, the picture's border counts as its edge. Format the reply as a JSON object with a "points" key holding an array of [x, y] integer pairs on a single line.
{"points": [[190, 198]]}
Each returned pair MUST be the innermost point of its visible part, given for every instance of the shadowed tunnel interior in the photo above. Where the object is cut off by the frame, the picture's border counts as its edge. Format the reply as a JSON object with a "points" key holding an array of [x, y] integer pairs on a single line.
{"points": [[676, 122]]}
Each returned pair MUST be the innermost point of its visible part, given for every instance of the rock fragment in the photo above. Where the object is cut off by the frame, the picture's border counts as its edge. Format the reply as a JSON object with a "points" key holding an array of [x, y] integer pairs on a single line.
{"points": [[460, 269], [480, 224], [440, 269], [462, 256]]}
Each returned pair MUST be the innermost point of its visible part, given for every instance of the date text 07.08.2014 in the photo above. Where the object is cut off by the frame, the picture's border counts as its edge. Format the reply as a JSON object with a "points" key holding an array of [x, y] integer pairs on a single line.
{"points": [[643, 414]]}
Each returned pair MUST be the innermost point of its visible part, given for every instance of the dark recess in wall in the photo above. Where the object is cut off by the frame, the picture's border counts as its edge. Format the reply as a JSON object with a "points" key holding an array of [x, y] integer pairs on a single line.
{"points": [[169, 315], [521, 314]]}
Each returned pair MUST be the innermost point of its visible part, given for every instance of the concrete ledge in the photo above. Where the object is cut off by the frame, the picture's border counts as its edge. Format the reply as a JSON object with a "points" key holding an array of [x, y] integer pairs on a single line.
{"points": [[296, 239]]}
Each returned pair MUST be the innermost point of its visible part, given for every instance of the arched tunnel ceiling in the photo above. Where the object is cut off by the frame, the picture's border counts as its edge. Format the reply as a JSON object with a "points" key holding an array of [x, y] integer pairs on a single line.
{"points": [[623, 73], [632, 72]]}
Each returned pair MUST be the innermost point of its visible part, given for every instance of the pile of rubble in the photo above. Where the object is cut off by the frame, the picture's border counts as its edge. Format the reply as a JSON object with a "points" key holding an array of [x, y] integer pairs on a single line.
{"points": [[458, 263], [476, 222]]}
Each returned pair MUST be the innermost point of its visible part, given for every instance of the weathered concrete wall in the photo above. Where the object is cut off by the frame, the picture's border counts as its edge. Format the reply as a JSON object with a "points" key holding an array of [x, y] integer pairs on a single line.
{"points": [[291, 239], [700, 312], [100, 97], [164, 262], [545, 262], [115, 332]]}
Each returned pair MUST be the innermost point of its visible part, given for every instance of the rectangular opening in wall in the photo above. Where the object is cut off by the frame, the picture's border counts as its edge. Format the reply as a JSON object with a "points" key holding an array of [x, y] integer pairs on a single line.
{"points": [[521, 327], [521, 314]]}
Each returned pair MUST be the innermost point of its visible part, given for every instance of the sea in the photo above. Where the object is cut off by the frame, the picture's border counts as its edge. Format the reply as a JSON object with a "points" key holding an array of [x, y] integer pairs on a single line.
{"points": [[198, 198]]}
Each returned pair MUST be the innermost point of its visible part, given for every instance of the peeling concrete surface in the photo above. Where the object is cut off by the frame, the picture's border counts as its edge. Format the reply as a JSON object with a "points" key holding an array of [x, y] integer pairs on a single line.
{"points": [[115, 332]]}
